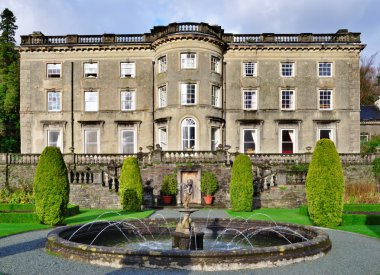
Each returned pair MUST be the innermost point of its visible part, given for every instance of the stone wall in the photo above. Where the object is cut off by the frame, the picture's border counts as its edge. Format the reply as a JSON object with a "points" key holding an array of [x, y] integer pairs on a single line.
{"points": [[96, 192]]}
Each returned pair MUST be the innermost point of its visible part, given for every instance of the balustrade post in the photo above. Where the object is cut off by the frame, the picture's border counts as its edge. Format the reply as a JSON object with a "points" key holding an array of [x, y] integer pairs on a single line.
{"points": [[157, 154]]}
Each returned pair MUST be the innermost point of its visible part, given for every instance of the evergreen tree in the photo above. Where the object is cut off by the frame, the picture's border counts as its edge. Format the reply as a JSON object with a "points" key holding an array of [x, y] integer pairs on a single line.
{"points": [[9, 85]]}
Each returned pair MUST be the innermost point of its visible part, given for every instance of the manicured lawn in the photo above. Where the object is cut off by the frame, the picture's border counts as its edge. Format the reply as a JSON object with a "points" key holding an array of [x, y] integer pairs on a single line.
{"points": [[291, 215], [85, 215], [295, 216], [14, 228]]}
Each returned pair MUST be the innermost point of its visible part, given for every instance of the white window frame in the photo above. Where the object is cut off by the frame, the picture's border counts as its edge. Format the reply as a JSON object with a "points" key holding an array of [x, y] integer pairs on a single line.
{"points": [[215, 64], [250, 102], [54, 101], [162, 96], [322, 71], [255, 139], [364, 137], [332, 133], [162, 64], [285, 67], [134, 141], [188, 60], [90, 70], [91, 101], [215, 96], [59, 142], [287, 106], [186, 124], [87, 131], [189, 95], [128, 104], [249, 69], [322, 106], [294, 141], [127, 69], [163, 137], [215, 138], [53, 70]]}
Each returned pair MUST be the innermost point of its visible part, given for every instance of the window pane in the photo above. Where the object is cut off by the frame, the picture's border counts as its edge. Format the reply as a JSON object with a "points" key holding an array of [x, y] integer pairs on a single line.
{"points": [[127, 100], [324, 133], [91, 101], [162, 135], [188, 94], [54, 70], [54, 101], [162, 94], [162, 64], [91, 142], [188, 61], [249, 141], [55, 139], [250, 100], [325, 69], [128, 141], [287, 69], [249, 69], [127, 69], [90, 69], [287, 100], [325, 99], [287, 141]]}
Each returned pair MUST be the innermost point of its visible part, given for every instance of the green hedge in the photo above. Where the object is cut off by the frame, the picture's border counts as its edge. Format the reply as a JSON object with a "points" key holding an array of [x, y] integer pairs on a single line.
{"points": [[361, 208], [14, 217], [360, 219], [9, 207], [241, 185], [376, 167], [130, 179], [51, 187], [325, 185]]}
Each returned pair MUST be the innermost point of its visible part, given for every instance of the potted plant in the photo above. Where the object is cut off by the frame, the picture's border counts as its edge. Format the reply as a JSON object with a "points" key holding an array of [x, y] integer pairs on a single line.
{"points": [[168, 188], [209, 185]]}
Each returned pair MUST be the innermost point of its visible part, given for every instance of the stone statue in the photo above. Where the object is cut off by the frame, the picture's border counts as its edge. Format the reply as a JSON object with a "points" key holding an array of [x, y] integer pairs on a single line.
{"points": [[187, 192]]}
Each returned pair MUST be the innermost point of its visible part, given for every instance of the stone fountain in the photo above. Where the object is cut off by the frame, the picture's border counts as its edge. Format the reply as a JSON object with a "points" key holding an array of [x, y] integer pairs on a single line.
{"points": [[186, 236]]}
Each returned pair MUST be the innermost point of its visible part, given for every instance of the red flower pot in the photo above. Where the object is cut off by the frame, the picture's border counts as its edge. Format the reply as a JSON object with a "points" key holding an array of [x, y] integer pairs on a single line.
{"points": [[208, 199], [167, 199]]}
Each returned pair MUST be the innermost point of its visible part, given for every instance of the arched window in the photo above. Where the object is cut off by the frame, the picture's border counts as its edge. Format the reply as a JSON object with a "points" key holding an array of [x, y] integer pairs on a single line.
{"points": [[188, 133]]}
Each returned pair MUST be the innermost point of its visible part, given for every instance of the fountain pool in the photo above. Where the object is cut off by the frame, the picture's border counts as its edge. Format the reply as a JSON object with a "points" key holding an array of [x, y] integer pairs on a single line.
{"points": [[229, 244]]}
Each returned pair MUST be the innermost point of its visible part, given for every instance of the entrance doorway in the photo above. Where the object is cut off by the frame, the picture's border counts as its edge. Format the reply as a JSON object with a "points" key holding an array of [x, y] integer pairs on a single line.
{"points": [[194, 177]]}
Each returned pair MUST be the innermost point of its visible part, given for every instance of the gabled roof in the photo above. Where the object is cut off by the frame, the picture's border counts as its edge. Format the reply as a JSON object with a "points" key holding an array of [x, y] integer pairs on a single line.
{"points": [[369, 113]]}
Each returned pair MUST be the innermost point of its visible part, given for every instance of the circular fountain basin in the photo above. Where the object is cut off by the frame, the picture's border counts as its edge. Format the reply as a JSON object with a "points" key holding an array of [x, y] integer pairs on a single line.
{"points": [[288, 243]]}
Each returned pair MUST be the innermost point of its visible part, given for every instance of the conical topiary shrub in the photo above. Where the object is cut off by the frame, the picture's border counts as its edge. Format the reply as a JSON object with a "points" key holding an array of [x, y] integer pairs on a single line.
{"points": [[130, 179], [241, 186], [325, 185], [51, 187]]}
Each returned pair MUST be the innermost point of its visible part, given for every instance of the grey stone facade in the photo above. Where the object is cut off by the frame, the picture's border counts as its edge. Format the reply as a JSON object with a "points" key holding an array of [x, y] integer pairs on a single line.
{"points": [[190, 86]]}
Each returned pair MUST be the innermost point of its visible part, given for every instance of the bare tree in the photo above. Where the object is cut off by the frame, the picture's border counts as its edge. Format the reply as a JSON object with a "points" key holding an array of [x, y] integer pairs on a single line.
{"points": [[369, 86]]}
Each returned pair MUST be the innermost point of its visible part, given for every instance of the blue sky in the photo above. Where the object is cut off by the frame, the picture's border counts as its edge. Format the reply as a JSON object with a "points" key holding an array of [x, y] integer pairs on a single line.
{"points": [[61, 17]]}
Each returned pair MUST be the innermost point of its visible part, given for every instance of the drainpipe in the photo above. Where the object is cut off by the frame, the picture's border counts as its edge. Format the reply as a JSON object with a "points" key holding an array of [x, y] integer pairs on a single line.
{"points": [[72, 107], [224, 102], [153, 99]]}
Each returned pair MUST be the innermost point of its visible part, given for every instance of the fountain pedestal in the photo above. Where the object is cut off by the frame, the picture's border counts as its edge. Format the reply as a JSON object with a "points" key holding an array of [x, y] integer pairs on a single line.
{"points": [[184, 237]]}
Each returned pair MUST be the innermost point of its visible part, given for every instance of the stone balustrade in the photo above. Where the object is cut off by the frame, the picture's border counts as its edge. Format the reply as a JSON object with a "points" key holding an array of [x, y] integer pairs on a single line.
{"points": [[147, 158], [340, 37]]}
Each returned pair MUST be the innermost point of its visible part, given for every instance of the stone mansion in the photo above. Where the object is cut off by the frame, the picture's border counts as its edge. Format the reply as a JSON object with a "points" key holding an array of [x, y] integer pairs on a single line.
{"points": [[190, 86]]}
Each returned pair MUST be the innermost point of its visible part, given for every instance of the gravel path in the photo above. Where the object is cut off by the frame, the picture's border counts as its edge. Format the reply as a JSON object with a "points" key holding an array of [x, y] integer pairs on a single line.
{"points": [[351, 254]]}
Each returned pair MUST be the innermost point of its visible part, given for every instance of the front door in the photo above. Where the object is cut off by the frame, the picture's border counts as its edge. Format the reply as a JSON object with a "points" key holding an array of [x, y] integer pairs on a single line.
{"points": [[193, 176]]}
